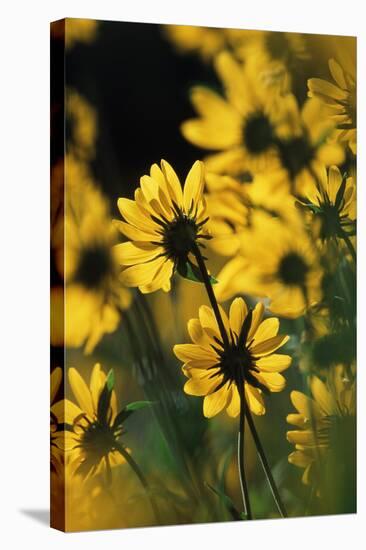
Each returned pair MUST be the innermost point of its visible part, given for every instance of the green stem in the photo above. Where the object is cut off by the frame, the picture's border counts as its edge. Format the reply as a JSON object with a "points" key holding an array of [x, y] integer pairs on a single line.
{"points": [[242, 477], [134, 466], [265, 465], [210, 293]]}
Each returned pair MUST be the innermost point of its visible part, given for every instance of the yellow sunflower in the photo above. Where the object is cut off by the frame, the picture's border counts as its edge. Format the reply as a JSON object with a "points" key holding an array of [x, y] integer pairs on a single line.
{"points": [[94, 296], [333, 204], [304, 143], [239, 125], [56, 453], [216, 369], [93, 425], [163, 224], [340, 99], [277, 260], [325, 423]]}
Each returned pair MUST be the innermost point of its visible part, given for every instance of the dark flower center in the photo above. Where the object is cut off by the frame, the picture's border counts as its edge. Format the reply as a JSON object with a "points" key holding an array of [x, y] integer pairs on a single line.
{"points": [[235, 360], [296, 154], [180, 236], [94, 266], [257, 133], [292, 270], [97, 440], [330, 221]]}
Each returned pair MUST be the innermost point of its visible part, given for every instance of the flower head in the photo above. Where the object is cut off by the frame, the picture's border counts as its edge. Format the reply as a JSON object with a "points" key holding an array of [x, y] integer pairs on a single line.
{"points": [[340, 99], [216, 369], [304, 143], [324, 423], [241, 127], [94, 296], [333, 204], [94, 424], [164, 224]]}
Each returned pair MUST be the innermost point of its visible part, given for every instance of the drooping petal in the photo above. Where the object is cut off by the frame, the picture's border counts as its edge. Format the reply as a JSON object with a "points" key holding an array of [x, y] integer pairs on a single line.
{"points": [[141, 274], [322, 395], [215, 402], [131, 253]]}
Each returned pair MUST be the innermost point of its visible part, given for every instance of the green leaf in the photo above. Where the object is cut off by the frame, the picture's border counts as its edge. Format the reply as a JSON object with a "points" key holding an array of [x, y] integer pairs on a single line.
{"points": [[136, 405], [110, 380], [235, 514], [191, 272]]}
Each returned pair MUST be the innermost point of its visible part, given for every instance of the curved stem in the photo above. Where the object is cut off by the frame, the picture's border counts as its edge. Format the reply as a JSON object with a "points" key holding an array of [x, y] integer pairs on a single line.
{"points": [[128, 458], [241, 434], [265, 465], [210, 292]]}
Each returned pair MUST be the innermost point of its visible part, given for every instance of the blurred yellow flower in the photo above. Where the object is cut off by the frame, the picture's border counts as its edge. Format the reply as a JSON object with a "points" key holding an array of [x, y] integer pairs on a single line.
{"points": [[82, 125], [277, 260], [324, 422], [228, 211], [240, 125], [164, 224], [271, 58], [96, 424], [340, 99], [94, 296], [79, 30], [202, 40], [216, 369], [305, 145]]}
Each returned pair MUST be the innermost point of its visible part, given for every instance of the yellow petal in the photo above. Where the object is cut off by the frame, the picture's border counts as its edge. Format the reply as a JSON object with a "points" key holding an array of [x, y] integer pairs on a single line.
{"points": [[255, 400], [337, 73], [233, 408], [202, 386], [257, 316], [175, 187], [267, 329], [161, 278], [131, 232], [97, 381], [215, 402], [334, 183], [197, 334], [137, 217], [193, 187], [81, 392], [208, 321], [237, 315], [141, 274], [131, 253], [192, 352], [56, 377], [300, 459], [269, 346], [322, 395], [325, 88], [274, 363], [304, 404], [301, 437], [274, 381]]}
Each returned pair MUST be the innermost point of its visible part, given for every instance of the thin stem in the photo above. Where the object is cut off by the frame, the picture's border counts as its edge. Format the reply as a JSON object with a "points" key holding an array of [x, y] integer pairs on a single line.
{"points": [[128, 458], [241, 434], [210, 292], [265, 465]]}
